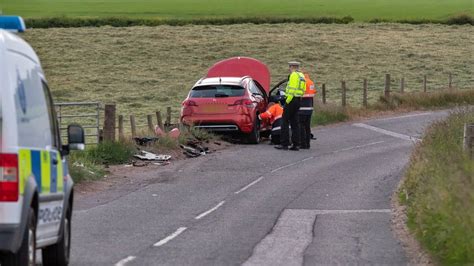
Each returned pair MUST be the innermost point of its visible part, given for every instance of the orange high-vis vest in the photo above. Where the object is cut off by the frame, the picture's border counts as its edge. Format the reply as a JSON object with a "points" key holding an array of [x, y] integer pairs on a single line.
{"points": [[273, 113], [310, 88]]}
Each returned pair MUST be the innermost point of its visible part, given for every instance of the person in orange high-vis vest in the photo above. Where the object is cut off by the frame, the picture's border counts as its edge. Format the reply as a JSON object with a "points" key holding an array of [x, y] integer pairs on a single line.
{"points": [[305, 112], [274, 113]]}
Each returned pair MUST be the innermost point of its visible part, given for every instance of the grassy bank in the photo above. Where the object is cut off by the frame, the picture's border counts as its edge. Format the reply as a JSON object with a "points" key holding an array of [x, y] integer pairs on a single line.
{"points": [[144, 69], [438, 192], [361, 10]]}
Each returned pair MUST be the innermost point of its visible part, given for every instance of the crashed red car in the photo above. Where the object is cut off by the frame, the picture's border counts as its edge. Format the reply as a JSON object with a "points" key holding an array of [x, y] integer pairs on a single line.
{"points": [[230, 98]]}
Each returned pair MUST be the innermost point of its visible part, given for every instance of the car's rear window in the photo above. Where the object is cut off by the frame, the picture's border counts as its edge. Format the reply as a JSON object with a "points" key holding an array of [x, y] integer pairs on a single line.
{"points": [[217, 91]]}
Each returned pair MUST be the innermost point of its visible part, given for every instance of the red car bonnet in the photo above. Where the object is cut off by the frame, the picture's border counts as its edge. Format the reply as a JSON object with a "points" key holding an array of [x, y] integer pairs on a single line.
{"points": [[242, 66]]}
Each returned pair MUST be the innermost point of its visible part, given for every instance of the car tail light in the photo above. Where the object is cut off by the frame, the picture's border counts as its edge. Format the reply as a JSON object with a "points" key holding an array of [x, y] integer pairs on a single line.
{"points": [[245, 102], [8, 177], [188, 103]]}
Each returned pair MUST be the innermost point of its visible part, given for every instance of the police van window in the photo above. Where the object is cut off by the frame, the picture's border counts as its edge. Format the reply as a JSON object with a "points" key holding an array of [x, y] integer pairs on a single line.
{"points": [[52, 115], [34, 126], [1, 122]]}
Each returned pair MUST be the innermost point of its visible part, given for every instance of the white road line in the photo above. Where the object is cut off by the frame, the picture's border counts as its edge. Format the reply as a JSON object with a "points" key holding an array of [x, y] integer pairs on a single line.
{"points": [[307, 159], [209, 211], [360, 146], [387, 132], [170, 237], [403, 116], [125, 261], [283, 167], [249, 185]]}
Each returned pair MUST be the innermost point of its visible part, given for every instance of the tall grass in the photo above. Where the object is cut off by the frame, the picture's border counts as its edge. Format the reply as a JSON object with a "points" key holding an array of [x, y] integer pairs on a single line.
{"points": [[89, 164], [328, 114], [75, 22], [418, 100], [439, 191]]}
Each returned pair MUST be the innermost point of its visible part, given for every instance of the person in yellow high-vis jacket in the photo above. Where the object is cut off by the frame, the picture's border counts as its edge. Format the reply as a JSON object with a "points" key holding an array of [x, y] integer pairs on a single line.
{"points": [[295, 89]]}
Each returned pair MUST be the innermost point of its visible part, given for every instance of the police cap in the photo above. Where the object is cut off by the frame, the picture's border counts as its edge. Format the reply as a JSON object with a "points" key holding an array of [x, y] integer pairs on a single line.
{"points": [[294, 63]]}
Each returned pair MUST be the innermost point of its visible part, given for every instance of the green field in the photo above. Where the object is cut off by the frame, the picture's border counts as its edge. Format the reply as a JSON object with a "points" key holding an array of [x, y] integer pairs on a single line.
{"points": [[144, 69], [360, 10]]}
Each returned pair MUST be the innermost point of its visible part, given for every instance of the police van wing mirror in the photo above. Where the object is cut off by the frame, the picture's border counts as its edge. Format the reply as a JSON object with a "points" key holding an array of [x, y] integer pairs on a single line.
{"points": [[75, 137]]}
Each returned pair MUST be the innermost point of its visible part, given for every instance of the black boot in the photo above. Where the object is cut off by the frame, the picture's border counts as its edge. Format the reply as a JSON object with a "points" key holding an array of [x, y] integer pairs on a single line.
{"points": [[281, 147], [294, 148]]}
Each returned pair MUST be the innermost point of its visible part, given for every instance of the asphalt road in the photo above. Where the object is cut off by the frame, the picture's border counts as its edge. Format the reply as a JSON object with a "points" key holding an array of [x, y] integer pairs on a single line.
{"points": [[254, 205]]}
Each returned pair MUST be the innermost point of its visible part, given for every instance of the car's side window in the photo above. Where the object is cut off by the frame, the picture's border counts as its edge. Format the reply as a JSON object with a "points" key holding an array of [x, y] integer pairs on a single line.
{"points": [[52, 116], [254, 89], [260, 89]]}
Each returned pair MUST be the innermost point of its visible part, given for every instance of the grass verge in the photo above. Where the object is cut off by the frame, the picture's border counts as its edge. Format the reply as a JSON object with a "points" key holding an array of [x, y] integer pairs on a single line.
{"points": [[90, 164], [443, 98], [331, 113], [438, 192]]}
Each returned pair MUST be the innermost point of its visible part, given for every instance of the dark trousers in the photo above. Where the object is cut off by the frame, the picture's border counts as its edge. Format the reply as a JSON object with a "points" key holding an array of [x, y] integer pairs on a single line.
{"points": [[305, 130], [276, 138], [290, 116]]}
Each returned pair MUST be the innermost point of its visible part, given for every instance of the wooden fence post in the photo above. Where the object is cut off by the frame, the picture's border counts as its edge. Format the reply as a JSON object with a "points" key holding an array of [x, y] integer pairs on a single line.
{"points": [[402, 85], [468, 142], [424, 83], [387, 86], [450, 81], [343, 89], [120, 127], [323, 93], [364, 99], [109, 122], [168, 116], [149, 119], [133, 126], [159, 121]]}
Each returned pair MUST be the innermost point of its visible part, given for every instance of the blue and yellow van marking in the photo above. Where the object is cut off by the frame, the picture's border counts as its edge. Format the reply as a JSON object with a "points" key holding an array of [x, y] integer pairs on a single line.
{"points": [[47, 168]]}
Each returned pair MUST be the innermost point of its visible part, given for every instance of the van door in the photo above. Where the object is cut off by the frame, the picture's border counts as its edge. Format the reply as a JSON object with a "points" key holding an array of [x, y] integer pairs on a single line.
{"points": [[38, 146]]}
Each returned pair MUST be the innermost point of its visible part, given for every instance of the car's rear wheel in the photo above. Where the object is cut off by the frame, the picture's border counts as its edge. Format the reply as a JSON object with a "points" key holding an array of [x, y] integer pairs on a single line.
{"points": [[254, 136], [26, 255], [58, 254]]}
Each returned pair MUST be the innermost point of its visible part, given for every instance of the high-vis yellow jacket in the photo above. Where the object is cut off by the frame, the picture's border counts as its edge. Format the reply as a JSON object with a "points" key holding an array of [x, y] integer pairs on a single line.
{"points": [[296, 86]]}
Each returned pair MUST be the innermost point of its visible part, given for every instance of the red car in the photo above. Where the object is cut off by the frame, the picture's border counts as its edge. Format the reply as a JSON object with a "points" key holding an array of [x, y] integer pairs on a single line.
{"points": [[230, 98]]}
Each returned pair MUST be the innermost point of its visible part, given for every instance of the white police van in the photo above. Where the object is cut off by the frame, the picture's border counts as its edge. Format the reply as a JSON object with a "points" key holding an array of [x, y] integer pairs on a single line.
{"points": [[36, 191]]}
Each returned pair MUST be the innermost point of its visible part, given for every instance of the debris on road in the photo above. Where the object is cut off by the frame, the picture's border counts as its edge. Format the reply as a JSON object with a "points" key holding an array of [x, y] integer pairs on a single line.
{"points": [[148, 156], [139, 164], [194, 149], [162, 163], [144, 141]]}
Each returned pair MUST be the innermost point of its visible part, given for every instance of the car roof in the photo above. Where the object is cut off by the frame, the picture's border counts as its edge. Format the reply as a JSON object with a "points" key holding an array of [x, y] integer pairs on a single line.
{"points": [[221, 80], [13, 43]]}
